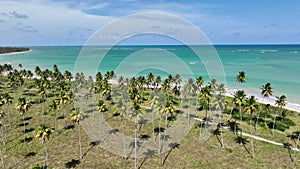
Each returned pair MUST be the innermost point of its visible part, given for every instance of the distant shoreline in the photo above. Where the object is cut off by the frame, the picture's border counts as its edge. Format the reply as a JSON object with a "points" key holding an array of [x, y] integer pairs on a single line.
{"points": [[11, 53], [9, 50]]}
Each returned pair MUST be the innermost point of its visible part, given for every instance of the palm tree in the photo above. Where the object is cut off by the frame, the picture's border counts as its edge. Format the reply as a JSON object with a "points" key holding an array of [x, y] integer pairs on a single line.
{"points": [[239, 99], [266, 91], [168, 110], [280, 102], [157, 81], [241, 77], [251, 107], [206, 95], [199, 82], [54, 107], [121, 109], [101, 108], [22, 107], [135, 114], [150, 79], [190, 90], [76, 116], [68, 76], [44, 133]]}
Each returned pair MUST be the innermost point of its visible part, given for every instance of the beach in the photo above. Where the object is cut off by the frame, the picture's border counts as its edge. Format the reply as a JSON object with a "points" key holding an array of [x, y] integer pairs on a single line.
{"points": [[14, 53]]}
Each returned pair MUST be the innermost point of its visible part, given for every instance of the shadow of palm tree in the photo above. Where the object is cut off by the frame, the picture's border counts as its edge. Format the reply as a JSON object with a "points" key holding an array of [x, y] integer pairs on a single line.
{"points": [[27, 139], [92, 144], [110, 132], [289, 147], [295, 136], [72, 164], [141, 122], [149, 153], [243, 141], [158, 130], [132, 145], [217, 133], [233, 126], [172, 146], [30, 154]]}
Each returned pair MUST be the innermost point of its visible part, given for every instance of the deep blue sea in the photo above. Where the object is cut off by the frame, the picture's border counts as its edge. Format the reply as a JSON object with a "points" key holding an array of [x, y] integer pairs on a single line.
{"points": [[277, 64]]}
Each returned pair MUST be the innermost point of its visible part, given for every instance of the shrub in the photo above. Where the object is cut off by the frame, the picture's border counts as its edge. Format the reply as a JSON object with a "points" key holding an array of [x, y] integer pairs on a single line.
{"points": [[289, 122]]}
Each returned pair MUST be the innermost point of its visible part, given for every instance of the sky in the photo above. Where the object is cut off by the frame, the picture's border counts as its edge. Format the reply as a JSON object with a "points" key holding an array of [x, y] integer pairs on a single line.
{"points": [[73, 22]]}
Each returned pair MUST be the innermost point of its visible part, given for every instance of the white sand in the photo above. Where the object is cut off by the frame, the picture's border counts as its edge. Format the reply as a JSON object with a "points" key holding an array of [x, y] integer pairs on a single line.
{"points": [[271, 100]]}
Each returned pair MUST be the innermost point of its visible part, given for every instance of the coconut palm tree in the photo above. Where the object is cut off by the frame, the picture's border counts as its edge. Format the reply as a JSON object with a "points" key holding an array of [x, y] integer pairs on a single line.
{"points": [[251, 107], [76, 116], [135, 115], [266, 91], [68, 76], [241, 77], [199, 82], [280, 102], [44, 133], [239, 100], [121, 110], [150, 79], [101, 108], [54, 107], [168, 110], [190, 90], [22, 107], [206, 95], [157, 81]]}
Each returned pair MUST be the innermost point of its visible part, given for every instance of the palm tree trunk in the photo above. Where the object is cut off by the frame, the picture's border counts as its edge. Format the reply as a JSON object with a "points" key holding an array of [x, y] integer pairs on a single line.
{"points": [[55, 123], [79, 141], [20, 88], [200, 131], [24, 127], [8, 113], [274, 121], [2, 160], [135, 144], [43, 111], [124, 141], [241, 120], [252, 144], [2, 136], [260, 107], [162, 147], [152, 123], [159, 130], [189, 111], [46, 153]]}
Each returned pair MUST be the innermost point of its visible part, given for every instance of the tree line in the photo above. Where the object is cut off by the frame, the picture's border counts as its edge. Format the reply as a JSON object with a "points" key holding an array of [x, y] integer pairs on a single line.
{"points": [[13, 49]]}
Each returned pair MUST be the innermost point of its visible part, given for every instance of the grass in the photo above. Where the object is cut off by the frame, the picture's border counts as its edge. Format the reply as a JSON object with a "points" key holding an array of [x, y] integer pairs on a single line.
{"points": [[63, 146]]}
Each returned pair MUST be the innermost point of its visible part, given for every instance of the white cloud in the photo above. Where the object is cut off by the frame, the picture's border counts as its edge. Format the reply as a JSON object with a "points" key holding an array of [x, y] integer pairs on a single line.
{"points": [[50, 22]]}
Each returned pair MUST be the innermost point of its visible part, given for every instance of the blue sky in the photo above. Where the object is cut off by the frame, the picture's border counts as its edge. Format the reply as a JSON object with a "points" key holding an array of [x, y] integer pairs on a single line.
{"points": [[67, 22]]}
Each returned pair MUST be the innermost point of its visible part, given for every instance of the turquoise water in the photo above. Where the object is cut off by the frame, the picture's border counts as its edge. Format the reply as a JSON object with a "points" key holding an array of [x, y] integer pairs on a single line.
{"points": [[277, 64]]}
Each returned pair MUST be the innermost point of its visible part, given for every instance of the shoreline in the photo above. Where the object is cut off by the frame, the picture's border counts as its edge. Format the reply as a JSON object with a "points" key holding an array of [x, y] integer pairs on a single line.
{"points": [[12, 53], [271, 100]]}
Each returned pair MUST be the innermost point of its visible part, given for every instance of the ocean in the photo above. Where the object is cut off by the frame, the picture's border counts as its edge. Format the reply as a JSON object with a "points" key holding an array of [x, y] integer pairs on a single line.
{"points": [[277, 64]]}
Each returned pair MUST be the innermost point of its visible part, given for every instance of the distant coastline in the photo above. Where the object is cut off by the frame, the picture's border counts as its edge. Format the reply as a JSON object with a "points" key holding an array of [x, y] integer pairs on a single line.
{"points": [[12, 50]]}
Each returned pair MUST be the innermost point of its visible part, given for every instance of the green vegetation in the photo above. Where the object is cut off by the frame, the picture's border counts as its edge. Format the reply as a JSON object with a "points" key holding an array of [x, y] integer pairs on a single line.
{"points": [[12, 49], [52, 106]]}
